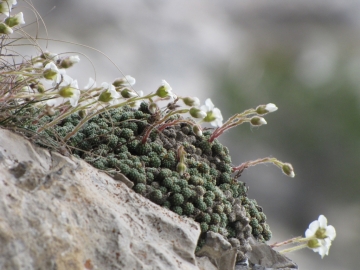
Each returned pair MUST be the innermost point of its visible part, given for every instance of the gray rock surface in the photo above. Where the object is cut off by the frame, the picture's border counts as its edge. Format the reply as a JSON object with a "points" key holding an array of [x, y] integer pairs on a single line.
{"points": [[223, 255], [204, 263], [263, 257], [219, 251], [60, 213]]}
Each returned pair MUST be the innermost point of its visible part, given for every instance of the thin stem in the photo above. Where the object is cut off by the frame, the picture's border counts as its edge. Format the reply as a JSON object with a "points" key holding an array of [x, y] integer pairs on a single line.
{"points": [[148, 131], [61, 117], [290, 241], [247, 164], [87, 118], [293, 248], [220, 130], [78, 126]]}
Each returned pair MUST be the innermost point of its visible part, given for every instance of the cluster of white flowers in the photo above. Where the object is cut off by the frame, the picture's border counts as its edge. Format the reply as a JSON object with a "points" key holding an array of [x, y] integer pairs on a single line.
{"points": [[6, 27], [49, 81], [45, 81]]}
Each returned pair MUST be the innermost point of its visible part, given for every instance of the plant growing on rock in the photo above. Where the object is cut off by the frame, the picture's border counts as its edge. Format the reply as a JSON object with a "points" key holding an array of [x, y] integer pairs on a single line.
{"points": [[164, 150]]}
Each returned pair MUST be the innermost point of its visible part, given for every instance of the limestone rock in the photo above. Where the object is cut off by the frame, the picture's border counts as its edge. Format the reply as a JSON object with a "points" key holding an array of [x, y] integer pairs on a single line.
{"points": [[219, 251], [204, 263], [263, 257], [223, 254], [60, 213]]}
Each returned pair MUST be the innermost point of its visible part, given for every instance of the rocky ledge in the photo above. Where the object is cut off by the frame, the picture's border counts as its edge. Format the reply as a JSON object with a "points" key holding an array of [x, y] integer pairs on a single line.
{"points": [[59, 212]]}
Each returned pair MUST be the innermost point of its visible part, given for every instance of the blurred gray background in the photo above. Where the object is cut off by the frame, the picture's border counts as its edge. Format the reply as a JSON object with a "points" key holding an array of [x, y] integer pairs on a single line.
{"points": [[304, 56]]}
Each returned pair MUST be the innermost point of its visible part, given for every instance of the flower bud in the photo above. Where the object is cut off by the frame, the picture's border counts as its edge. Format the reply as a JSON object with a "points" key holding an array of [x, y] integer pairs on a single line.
{"points": [[197, 113], [153, 107], [181, 168], [40, 88], [264, 109], [126, 81], [5, 29], [69, 61], [288, 169], [257, 121], [105, 96], [82, 114], [50, 110], [49, 56], [197, 130], [191, 101], [127, 93]]}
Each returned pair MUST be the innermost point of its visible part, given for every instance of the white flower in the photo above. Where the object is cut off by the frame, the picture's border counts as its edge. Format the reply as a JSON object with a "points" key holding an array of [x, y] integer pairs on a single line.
{"points": [[51, 72], [90, 84], [15, 20], [213, 115], [69, 92], [321, 234], [165, 91], [320, 229], [109, 95]]}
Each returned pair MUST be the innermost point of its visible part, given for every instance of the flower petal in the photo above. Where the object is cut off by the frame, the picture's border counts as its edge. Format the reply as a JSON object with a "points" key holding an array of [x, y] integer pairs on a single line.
{"points": [[322, 221], [209, 105], [330, 232], [90, 84]]}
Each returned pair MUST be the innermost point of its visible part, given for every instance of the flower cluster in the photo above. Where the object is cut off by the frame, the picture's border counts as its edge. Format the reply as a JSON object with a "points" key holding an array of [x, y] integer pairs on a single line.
{"points": [[44, 81], [118, 129], [7, 26], [318, 237]]}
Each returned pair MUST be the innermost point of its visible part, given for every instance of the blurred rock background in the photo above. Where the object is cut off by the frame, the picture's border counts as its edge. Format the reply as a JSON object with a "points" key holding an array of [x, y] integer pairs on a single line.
{"points": [[302, 56]]}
